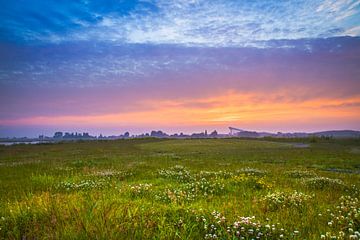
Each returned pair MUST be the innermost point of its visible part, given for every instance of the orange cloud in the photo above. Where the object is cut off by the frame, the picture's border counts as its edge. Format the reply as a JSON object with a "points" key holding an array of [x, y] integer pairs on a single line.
{"points": [[252, 109]]}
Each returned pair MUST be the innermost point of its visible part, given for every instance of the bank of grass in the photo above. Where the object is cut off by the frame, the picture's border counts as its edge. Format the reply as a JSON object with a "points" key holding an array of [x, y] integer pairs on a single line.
{"points": [[180, 189]]}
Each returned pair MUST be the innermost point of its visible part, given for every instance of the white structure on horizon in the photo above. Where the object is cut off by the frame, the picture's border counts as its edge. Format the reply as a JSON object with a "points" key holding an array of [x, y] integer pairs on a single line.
{"points": [[234, 131]]}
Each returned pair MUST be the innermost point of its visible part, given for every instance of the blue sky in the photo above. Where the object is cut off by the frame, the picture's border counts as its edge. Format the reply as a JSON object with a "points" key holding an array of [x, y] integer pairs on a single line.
{"points": [[184, 22], [110, 66]]}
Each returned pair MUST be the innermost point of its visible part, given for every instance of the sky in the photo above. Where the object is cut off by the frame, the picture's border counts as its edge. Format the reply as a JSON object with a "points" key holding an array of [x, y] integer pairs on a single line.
{"points": [[112, 66]]}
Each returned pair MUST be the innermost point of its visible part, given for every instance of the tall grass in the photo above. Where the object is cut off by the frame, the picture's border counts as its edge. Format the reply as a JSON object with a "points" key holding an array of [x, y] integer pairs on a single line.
{"points": [[179, 189]]}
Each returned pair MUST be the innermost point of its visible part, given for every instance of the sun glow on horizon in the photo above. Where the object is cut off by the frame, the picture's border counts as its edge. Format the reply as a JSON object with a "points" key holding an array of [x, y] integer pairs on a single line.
{"points": [[231, 108], [178, 64]]}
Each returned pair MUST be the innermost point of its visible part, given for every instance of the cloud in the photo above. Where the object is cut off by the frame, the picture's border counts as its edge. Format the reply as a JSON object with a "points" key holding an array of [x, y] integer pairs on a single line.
{"points": [[250, 110], [216, 23], [92, 65], [355, 31]]}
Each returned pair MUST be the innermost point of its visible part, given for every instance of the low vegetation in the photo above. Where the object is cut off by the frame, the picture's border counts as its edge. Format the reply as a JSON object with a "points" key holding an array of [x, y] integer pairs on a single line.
{"points": [[180, 189]]}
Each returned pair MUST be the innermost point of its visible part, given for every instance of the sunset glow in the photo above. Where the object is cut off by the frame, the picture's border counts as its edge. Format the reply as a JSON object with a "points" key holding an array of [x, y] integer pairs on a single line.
{"points": [[142, 65]]}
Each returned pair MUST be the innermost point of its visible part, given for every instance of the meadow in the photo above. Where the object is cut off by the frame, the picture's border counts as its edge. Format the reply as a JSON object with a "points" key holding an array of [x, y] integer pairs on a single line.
{"points": [[181, 189]]}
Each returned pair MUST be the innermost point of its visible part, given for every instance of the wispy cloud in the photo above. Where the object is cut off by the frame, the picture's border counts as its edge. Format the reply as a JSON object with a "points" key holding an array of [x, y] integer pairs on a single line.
{"points": [[190, 22], [355, 31], [100, 64]]}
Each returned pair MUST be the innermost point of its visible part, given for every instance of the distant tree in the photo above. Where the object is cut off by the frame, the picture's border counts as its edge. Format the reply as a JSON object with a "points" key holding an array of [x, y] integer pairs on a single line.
{"points": [[58, 135], [214, 134], [158, 134]]}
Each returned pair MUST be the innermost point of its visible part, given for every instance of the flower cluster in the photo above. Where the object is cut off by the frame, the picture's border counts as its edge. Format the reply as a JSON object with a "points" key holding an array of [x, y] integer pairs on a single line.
{"points": [[345, 216], [324, 183], [83, 184], [178, 173], [112, 174], [205, 187], [140, 189], [176, 196], [276, 200], [251, 171], [253, 182], [211, 174], [218, 227], [190, 191]]}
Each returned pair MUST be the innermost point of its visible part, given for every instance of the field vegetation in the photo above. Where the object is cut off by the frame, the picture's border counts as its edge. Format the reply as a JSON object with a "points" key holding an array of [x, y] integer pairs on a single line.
{"points": [[181, 189]]}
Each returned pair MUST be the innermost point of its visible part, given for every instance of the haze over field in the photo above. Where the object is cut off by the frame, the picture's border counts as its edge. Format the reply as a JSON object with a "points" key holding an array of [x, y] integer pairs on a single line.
{"points": [[115, 66]]}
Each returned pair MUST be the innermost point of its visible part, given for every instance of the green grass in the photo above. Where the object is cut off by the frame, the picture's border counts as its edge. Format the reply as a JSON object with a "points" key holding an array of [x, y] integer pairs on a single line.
{"points": [[181, 189]]}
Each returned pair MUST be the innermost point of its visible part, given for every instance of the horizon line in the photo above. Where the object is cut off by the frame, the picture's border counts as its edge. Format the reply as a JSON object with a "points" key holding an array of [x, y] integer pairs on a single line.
{"points": [[189, 133]]}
